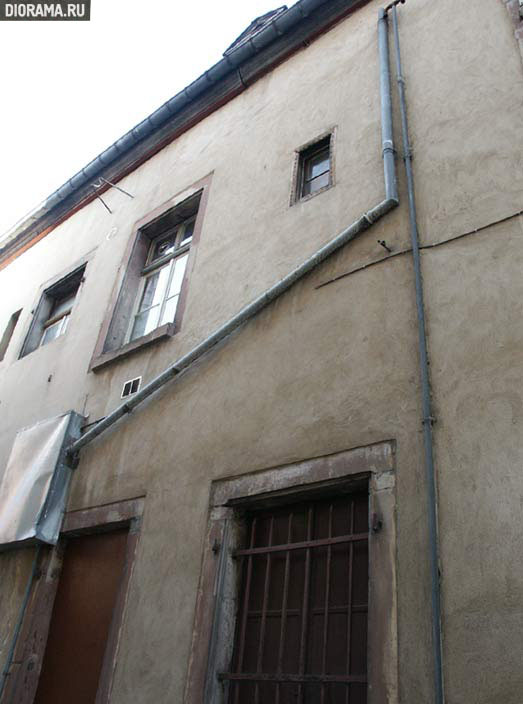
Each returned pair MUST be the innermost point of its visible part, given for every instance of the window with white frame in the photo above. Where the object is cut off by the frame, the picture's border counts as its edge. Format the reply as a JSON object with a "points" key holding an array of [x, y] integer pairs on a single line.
{"points": [[162, 278], [151, 299], [56, 323]]}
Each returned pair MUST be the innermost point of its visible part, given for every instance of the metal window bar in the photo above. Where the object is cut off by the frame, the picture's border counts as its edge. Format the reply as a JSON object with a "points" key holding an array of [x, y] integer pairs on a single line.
{"points": [[349, 597], [245, 610], [284, 610], [326, 610], [269, 644], [261, 643], [321, 542], [305, 605]]}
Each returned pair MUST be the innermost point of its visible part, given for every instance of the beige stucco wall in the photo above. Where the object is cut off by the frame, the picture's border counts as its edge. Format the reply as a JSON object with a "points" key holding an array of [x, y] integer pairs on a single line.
{"points": [[323, 369]]}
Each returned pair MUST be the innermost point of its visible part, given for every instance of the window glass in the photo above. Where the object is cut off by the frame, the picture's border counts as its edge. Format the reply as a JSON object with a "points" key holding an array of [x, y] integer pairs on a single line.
{"points": [[318, 164], [145, 322], [155, 286], [169, 310], [316, 172], [161, 288], [177, 278], [315, 184], [163, 246], [315, 167], [53, 331], [57, 319], [62, 305], [187, 233]]}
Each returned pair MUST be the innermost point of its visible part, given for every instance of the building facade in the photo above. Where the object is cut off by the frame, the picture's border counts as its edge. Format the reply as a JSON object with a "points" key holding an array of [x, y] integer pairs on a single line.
{"points": [[258, 528]]}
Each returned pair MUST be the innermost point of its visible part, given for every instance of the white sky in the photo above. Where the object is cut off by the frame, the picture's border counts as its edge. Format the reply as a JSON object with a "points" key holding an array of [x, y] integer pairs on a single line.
{"points": [[70, 89]]}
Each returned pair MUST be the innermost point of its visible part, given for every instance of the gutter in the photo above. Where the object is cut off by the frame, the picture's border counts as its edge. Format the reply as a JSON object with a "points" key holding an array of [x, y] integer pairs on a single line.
{"points": [[366, 220], [286, 33]]}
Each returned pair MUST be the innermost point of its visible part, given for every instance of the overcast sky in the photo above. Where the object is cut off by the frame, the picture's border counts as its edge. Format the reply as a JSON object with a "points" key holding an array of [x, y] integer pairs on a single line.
{"points": [[70, 89]]}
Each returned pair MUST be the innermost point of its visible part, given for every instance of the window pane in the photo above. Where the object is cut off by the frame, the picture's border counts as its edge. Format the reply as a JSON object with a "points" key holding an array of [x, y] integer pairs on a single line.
{"points": [[316, 184], [155, 285], [317, 164], [145, 322], [187, 232], [179, 270], [54, 331], [163, 246], [170, 310], [62, 304]]}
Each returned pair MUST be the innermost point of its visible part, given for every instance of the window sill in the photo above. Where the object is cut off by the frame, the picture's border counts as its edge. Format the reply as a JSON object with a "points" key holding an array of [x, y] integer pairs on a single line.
{"points": [[309, 196], [164, 332]]}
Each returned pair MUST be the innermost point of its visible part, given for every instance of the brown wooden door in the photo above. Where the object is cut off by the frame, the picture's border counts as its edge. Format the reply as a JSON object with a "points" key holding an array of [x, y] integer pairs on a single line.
{"points": [[90, 579]]}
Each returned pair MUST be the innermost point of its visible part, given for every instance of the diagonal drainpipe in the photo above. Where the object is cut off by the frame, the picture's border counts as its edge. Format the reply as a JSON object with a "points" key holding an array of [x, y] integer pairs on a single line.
{"points": [[366, 220]]}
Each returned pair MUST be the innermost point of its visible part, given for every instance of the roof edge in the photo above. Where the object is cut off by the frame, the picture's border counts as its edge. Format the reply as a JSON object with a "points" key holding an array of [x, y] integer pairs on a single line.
{"points": [[286, 33]]}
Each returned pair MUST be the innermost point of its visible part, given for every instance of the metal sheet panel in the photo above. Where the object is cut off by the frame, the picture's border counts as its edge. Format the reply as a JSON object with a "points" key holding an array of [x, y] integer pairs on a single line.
{"points": [[34, 488]]}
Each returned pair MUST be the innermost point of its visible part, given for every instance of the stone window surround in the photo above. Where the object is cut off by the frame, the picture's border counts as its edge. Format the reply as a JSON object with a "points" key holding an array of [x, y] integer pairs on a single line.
{"points": [[296, 196], [134, 258], [32, 331], [216, 605], [515, 10]]}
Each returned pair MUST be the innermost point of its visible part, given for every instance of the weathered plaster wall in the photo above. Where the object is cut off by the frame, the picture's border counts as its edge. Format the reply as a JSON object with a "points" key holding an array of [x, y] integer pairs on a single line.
{"points": [[323, 369], [476, 347]]}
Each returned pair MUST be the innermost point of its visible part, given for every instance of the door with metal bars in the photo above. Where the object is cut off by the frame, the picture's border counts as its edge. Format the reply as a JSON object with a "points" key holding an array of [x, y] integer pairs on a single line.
{"points": [[301, 635]]}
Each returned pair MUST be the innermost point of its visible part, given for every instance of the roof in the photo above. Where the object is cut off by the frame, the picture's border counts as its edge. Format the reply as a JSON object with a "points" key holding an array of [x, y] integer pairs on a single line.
{"points": [[269, 40], [255, 26]]}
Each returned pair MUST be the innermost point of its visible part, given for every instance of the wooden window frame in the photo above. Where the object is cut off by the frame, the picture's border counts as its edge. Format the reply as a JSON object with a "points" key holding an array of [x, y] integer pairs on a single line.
{"points": [[113, 341], [218, 592], [29, 654], [301, 156], [51, 293], [151, 267]]}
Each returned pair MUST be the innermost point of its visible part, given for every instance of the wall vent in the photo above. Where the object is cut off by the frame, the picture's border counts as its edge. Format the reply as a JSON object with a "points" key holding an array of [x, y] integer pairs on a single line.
{"points": [[131, 387]]}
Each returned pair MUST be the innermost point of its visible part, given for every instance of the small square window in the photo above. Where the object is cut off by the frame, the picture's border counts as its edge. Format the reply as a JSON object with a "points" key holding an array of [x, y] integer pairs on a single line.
{"points": [[51, 319], [131, 387], [314, 169]]}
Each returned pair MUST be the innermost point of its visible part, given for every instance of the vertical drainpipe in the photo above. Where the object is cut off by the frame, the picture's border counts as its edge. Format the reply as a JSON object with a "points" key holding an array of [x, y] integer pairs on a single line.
{"points": [[387, 135], [432, 515]]}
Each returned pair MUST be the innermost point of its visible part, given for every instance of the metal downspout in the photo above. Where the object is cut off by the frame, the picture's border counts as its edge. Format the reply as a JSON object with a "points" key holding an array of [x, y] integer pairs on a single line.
{"points": [[249, 311], [425, 384]]}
